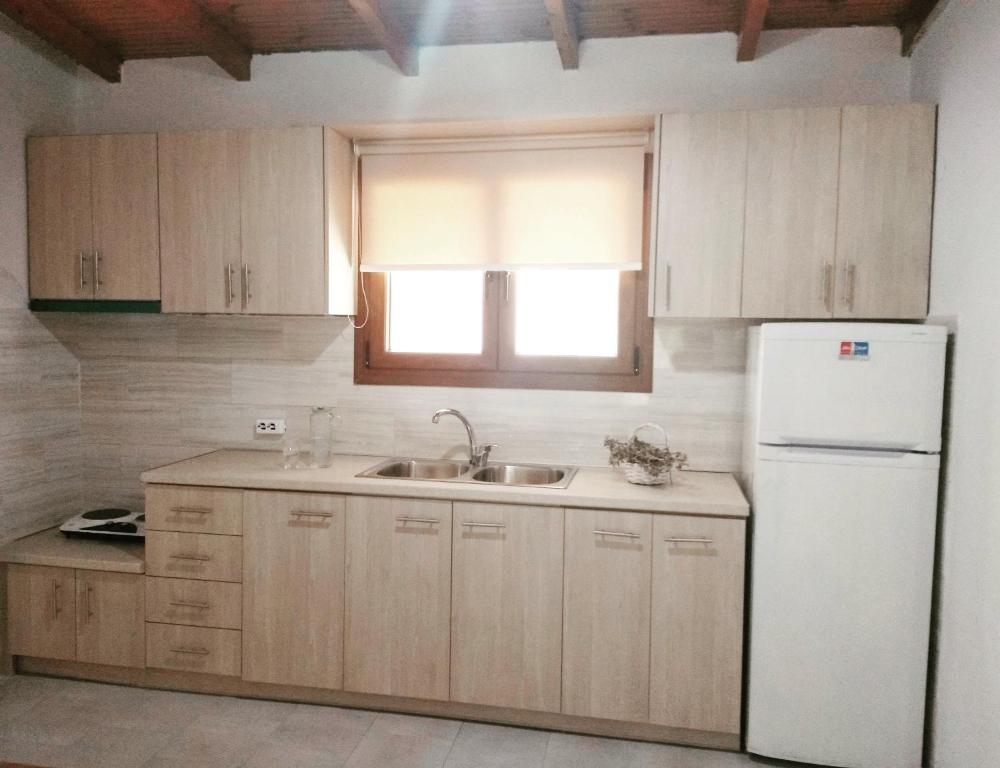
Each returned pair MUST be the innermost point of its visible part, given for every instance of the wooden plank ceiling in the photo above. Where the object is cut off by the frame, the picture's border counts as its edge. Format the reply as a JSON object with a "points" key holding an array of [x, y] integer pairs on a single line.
{"points": [[101, 34]]}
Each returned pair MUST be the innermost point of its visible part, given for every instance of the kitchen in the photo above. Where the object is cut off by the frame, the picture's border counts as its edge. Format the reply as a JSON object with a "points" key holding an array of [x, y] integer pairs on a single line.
{"points": [[98, 398]]}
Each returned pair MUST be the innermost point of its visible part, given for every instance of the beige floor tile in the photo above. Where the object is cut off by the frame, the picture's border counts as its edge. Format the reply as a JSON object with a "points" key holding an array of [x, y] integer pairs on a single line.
{"points": [[19, 694], [493, 746], [112, 747], [198, 747], [329, 732], [389, 723], [388, 750]]}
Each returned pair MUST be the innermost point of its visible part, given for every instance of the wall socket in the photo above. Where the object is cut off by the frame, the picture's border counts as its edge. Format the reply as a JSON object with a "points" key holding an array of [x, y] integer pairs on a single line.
{"points": [[269, 426]]}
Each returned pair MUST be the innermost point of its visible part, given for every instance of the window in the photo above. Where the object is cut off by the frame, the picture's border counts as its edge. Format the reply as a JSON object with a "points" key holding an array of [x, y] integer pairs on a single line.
{"points": [[499, 268]]}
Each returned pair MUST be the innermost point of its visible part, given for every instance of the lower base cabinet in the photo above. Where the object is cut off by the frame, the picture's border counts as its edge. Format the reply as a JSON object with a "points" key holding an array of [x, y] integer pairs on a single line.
{"points": [[507, 605], [76, 615], [398, 597], [605, 669], [293, 588]]}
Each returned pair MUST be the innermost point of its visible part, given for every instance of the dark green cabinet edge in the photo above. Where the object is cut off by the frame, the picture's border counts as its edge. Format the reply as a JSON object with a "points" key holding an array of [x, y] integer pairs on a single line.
{"points": [[93, 305]]}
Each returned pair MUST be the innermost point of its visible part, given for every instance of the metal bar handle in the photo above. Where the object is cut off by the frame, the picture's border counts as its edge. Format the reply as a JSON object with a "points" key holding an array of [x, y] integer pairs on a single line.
{"points": [[428, 520], [88, 601], [192, 651], [669, 286], [230, 296], [56, 607], [689, 539], [828, 287], [247, 295], [97, 272], [192, 510], [483, 525], [83, 272], [188, 604], [199, 558], [620, 534], [304, 513]]}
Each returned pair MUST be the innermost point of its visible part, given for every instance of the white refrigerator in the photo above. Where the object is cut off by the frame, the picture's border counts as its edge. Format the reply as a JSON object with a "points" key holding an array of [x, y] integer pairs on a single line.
{"points": [[841, 463]]}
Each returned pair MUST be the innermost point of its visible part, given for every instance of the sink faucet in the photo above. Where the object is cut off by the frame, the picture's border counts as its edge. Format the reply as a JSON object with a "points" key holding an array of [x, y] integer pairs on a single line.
{"points": [[478, 454]]}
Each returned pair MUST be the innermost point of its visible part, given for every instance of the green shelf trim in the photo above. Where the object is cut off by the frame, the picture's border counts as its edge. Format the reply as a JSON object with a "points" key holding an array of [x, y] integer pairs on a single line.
{"points": [[93, 305]]}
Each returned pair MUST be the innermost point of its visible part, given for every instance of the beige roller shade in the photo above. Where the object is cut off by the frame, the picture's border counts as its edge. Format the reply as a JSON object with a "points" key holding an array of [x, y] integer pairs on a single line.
{"points": [[503, 209]]}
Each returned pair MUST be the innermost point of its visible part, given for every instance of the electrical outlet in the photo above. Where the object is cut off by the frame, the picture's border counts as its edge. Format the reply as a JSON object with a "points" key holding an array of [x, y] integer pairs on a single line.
{"points": [[269, 426]]}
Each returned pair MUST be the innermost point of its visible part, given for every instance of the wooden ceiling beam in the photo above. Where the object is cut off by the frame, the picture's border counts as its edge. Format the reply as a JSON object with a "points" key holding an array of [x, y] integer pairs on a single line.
{"points": [[386, 29], [564, 32], [754, 13], [220, 46], [38, 16], [923, 15]]}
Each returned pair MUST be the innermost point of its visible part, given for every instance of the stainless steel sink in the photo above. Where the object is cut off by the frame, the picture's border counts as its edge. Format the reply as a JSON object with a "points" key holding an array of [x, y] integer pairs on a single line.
{"points": [[518, 474], [422, 469], [443, 470]]}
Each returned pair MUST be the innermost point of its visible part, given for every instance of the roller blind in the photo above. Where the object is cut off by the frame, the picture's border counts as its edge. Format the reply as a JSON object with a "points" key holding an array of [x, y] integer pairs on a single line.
{"points": [[461, 206]]}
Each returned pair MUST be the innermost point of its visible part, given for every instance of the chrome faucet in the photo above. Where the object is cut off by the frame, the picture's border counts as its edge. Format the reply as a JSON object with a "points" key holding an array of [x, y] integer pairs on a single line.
{"points": [[479, 455]]}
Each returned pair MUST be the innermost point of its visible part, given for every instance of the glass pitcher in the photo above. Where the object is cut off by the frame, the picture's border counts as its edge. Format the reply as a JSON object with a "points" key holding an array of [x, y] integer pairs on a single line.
{"points": [[321, 436]]}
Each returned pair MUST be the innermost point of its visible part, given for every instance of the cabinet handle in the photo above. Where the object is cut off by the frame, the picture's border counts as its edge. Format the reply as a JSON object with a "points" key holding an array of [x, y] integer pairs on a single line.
{"points": [[97, 272], [689, 539], [188, 604], [83, 270], [506, 287], [192, 510], [192, 651], [828, 287], [484, 525], [56, 607], [669, 286], [247, 295], [850, 274], [199, 558], [620, 534], [428, 520], [87, 602], [303, 513], [230, 296]]}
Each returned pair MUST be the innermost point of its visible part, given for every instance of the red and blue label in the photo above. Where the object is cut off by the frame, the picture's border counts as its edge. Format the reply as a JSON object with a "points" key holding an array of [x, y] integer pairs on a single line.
{"points": [[854, 350]]}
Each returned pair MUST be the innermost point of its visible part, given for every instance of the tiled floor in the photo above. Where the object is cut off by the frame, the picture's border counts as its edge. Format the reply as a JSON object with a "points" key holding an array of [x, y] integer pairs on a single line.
{"points": [[67, 724]]}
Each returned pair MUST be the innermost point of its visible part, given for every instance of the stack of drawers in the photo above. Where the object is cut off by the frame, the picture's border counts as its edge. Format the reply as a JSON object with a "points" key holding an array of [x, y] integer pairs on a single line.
{"points": [[194, 570]]}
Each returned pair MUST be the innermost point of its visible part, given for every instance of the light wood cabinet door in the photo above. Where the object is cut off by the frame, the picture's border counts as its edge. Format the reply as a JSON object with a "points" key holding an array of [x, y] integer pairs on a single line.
{"points": [[60, 218], [697, 624], [41, 611], [110, 618], [200, 221], [126, 229], [606, 614], [702, 198], [293, 589], [884, 220], [194, 556], [506, 605], [398, 595], [791, 213], [193, 649], [191, 509], [283, 222]]}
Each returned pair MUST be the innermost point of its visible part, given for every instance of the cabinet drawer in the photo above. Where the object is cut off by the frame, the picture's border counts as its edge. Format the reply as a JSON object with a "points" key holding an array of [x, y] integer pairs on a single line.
{"points": [[197, 603], [194, 510], [194, 556], [194, 649]]}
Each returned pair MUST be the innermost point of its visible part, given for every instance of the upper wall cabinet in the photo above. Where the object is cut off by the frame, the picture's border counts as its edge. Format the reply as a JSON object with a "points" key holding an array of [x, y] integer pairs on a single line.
{"points": [[92, 218], [795, 213], [257, 222], [699, 241], [791, 213], [884, 220]]}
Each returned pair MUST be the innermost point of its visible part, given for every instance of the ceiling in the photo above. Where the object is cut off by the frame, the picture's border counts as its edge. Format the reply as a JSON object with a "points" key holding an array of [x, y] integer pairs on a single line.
{"points": [[101, 34]]}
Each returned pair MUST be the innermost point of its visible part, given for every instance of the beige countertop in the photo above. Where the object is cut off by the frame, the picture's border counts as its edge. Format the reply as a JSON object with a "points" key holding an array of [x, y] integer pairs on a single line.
{"points": [[694, 493], [51, 547]]}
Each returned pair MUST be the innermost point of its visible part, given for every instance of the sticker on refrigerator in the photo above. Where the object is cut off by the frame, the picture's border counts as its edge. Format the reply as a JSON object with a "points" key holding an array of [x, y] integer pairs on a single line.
{"points": [[854, 350]]}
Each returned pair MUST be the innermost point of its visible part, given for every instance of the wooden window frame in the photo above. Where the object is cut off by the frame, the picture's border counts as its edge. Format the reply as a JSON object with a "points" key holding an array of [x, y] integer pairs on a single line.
{"points": [[497, 366]]}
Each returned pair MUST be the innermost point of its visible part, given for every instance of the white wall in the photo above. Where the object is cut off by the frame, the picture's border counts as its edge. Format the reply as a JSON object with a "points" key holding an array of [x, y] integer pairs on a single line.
{"points": [[958, 65], [39, 379], [522, 80]]}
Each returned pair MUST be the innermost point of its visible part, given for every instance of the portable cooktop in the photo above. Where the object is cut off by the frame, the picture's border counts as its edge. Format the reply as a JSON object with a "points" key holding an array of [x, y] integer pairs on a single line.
{"points": [[109, 523]]}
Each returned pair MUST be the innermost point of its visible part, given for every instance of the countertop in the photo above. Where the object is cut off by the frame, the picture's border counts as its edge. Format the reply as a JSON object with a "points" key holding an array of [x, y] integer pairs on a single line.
{"points": [[50, 547], [694, 493]]}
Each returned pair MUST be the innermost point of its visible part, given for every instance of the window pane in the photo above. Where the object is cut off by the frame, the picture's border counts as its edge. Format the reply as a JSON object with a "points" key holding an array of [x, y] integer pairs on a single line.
{"points": [[566, 313], [435, 312]]}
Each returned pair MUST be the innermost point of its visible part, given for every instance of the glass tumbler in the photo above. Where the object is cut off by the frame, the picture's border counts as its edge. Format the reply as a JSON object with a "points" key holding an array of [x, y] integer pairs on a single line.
{"points": [[321, 436]]}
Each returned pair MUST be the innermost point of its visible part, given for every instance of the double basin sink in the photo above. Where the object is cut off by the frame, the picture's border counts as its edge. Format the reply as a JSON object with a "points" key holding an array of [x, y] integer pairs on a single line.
{"points": [[444, 470]]}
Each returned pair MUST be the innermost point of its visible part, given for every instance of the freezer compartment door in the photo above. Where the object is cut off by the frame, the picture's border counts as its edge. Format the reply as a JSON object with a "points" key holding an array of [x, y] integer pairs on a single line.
{"points": [[852, 388], [840, 608]]}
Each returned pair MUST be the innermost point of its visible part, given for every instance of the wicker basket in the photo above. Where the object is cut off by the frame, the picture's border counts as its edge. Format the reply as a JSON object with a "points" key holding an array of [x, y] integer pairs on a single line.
{"points": [[636, 473]]}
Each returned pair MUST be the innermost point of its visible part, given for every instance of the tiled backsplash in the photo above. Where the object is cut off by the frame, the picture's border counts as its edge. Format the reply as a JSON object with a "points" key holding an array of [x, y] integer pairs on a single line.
{"points": [[158, 388]]}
